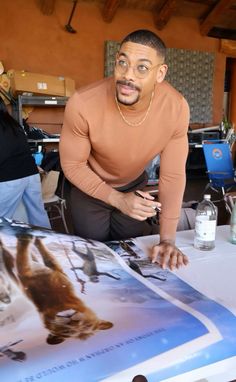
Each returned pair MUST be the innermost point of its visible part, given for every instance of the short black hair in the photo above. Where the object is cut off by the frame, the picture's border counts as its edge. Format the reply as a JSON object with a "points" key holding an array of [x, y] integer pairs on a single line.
{"points": [[148, 38], [139, 378]]}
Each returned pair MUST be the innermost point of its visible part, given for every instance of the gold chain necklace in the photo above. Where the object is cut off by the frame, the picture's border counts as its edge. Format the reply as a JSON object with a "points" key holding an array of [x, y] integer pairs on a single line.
{"points": [[139, 122]]}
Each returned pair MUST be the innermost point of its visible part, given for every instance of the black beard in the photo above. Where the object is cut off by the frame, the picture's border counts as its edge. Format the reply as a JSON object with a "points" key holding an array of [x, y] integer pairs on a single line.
{"points": [[128, 103], [131, 86]]}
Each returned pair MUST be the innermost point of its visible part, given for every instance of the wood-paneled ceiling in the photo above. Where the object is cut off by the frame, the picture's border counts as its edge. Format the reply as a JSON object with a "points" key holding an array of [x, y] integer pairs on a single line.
{"points": [[217, 18]]}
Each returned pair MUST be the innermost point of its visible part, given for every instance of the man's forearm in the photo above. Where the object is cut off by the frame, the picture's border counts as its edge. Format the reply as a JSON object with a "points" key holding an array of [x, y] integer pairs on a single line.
{"points": [[114, 198], [168, 229]]}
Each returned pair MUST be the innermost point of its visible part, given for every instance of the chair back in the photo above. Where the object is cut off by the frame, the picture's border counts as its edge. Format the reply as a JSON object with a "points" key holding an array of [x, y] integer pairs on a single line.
{"points": [[230, 199], [219, 161], [49, 185], [152, 170], [53, 204]]}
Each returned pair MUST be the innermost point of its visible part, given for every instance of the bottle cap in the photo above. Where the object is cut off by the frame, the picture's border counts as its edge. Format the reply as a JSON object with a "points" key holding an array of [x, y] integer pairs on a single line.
{"points": [[207, 197]]}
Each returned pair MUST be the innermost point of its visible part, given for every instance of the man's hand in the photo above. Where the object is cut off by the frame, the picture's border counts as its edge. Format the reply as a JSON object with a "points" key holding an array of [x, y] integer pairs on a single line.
{"points": [[166, 254], [138, 207]]}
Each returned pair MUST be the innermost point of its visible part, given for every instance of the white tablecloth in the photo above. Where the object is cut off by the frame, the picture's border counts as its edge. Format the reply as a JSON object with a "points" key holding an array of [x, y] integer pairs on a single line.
{"points": [[213, 273]]}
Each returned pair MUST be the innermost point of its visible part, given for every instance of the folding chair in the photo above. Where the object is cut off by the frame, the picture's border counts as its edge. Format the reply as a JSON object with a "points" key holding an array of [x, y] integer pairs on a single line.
{"points": [[230, 199], [54, 204], [152, 170], [219, 165]]}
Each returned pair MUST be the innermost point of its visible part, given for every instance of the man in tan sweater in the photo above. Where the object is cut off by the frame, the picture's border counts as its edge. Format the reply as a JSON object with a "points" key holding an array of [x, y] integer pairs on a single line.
{"points": [[111, 131]]}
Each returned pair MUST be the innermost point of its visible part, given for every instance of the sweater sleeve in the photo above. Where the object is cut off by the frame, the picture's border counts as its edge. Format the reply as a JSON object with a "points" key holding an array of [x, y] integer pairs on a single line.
{"points": [[172, 174], [75, 150]]}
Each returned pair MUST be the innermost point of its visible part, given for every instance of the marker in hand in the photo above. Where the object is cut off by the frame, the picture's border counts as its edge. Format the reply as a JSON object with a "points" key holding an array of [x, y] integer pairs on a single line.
{"points": [[158, 209]]}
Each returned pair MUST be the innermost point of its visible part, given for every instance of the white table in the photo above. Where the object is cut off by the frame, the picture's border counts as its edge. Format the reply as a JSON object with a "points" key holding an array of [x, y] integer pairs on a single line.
{"points": [[213, 273], [179, 330]]}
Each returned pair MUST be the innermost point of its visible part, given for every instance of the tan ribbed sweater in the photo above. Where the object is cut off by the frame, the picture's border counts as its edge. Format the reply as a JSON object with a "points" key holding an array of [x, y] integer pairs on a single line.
{"points": [[98, 150]]}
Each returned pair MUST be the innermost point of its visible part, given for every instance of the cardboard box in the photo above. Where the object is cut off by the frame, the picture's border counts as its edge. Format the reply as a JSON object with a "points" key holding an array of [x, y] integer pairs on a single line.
{"points": [[39, 84]]}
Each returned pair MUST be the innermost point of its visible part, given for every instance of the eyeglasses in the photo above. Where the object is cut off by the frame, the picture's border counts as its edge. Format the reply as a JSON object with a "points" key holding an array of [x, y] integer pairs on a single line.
{"points": [[140, 70]]}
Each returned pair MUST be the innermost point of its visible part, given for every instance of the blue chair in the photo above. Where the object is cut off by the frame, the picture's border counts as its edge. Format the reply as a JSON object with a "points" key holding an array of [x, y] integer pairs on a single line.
{"points": [[219, 166]]}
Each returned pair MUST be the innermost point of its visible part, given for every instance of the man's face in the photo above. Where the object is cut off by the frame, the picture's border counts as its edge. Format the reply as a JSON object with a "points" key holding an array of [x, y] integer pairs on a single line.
{"points": [[138, 68]]}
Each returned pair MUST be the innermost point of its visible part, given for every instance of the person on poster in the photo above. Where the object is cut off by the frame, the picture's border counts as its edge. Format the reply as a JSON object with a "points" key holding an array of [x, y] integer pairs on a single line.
{"points": [[111, 131], [19, 175]]}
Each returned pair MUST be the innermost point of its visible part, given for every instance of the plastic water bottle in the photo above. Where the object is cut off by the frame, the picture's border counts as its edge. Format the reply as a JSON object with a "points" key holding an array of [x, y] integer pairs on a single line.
{"points": [[38, 156], [233, 226], [205, 224]]}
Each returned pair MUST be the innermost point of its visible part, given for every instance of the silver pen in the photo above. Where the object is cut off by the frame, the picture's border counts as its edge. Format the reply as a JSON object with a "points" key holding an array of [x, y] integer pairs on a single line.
{"points": [[158, 209]]}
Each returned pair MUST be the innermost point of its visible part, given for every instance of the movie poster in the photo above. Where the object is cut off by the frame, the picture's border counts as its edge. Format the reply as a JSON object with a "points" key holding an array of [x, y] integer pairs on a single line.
{"points": [[81, 311], [184, 370]]}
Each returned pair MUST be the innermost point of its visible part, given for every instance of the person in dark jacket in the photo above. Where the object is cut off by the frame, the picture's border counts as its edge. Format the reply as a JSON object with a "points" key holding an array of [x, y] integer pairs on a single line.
{"points": [[19, 175]]}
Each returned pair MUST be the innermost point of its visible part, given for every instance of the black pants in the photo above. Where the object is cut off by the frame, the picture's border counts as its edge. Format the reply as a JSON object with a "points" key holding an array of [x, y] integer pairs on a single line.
{"points": [[94, 219]]}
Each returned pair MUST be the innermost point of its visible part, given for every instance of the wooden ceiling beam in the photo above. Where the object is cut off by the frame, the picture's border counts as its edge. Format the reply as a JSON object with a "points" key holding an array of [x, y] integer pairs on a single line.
{"points": [[211, 19], [162, 16], [47, 7], [109, 10]]}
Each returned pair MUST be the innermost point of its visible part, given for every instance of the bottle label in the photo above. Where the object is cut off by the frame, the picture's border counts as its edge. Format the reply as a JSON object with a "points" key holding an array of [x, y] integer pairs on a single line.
{"points": [[205, 229]]}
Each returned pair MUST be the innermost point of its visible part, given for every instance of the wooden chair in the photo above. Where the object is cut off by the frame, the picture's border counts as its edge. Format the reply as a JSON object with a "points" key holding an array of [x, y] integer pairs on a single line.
{"points": [[54, 205]]}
